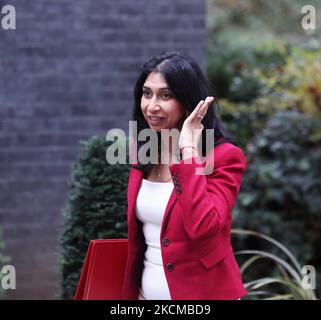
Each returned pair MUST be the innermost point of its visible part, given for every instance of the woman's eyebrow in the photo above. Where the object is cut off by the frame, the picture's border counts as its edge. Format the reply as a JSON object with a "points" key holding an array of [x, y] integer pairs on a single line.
{"points": [[164, 88]]}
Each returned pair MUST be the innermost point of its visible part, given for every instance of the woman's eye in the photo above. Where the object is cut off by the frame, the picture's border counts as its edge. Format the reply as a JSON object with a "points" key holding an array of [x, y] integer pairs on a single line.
{"points": [[164, 95]]}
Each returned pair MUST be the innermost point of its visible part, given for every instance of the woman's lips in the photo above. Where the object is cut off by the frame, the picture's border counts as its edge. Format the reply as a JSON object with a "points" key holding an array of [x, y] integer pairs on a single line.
{"points": [[155, 120]]}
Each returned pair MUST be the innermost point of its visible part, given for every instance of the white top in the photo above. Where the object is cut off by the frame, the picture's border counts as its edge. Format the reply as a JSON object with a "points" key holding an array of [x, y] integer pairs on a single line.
{"points": [[151, 203]]}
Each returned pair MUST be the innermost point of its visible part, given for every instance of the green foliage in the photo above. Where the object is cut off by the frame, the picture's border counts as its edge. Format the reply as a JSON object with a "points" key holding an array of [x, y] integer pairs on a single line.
{"points": [[258, 66], [242, 37], [259, 19], [96, 209], [281, 190], [243, 120], [230, 67], [293, 85], [296, 84], [287, 283], [265, 70]]}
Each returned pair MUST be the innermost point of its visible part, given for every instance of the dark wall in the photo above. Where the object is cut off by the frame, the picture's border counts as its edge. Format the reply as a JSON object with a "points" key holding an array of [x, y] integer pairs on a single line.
{"points": [[67, 73]]}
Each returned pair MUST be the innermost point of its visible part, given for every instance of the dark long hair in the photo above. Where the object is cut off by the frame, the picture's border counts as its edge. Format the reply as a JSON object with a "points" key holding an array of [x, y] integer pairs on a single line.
{"points": [[189, 85]]}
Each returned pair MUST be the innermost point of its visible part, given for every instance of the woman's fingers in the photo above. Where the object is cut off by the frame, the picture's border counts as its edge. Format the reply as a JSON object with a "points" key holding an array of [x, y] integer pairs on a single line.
{"points": [[197, 108], [201, 109]]}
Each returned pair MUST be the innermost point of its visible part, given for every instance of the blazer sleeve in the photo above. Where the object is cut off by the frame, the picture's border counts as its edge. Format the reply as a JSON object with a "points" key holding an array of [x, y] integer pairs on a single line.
{"points": [[206, 201]]}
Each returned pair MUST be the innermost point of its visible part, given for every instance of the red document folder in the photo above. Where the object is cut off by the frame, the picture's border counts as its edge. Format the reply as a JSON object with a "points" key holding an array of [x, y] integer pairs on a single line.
{"points": [[103, 272]]}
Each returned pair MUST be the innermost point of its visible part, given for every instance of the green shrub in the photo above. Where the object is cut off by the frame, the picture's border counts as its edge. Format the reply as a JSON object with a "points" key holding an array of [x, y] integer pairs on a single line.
{"points": [[236, 46], [256, 20], [96, 209], [296, 84], [243, 120], [281, 190], [293, 85], [286, 284], [230, 68], [235, 76]]}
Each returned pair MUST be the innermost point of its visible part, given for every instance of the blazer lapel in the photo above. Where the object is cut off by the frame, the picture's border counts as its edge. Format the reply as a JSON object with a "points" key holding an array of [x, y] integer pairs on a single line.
{"points": [[135, 179]]}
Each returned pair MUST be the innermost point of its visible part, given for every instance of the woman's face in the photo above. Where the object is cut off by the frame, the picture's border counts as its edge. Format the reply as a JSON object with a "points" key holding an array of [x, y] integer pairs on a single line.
{"points": [[159, 106]]}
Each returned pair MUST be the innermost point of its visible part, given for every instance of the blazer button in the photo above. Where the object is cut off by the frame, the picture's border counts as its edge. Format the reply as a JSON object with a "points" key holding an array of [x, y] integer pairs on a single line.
{"points": [[170, 267], [165, 242]]}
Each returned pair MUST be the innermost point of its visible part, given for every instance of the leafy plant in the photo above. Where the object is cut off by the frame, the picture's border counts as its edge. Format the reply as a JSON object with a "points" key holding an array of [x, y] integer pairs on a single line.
{"points": [[289, 280], [296, 84], [281, 190], [293, 85]]}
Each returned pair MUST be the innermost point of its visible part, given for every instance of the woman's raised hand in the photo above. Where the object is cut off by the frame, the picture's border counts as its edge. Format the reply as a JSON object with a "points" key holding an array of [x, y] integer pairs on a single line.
{"points": [[192, 126]]}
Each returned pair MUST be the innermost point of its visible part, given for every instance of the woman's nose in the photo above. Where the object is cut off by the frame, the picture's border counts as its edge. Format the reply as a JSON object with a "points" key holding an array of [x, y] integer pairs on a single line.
{"points": [[153, 105]]}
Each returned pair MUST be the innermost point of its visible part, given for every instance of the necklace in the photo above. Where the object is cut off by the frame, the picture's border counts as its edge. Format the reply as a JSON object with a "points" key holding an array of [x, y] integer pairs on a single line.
{"points": [[159, 175]]}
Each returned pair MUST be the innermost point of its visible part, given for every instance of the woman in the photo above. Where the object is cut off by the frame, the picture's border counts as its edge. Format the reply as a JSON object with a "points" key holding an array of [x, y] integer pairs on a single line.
{"points": [[179, 222]]}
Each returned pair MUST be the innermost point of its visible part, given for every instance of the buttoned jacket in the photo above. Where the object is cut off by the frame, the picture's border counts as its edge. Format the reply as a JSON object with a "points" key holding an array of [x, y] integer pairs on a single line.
{"points": [[195, 237]]}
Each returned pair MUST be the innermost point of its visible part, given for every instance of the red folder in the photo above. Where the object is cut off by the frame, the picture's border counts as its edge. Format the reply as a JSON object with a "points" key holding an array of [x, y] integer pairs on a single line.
{"points": [[103, 272]]}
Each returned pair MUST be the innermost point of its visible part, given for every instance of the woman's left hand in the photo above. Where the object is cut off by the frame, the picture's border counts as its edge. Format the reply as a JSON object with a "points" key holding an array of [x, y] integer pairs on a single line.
{"points": [[192, 126]]}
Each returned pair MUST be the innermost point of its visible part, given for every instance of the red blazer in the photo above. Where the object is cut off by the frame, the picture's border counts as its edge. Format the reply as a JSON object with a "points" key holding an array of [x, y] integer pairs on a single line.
{"points": [[195, 237]]}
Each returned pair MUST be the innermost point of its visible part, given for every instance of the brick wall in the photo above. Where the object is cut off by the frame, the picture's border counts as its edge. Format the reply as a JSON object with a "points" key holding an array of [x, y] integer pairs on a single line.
{"points": [[67, 73]]}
